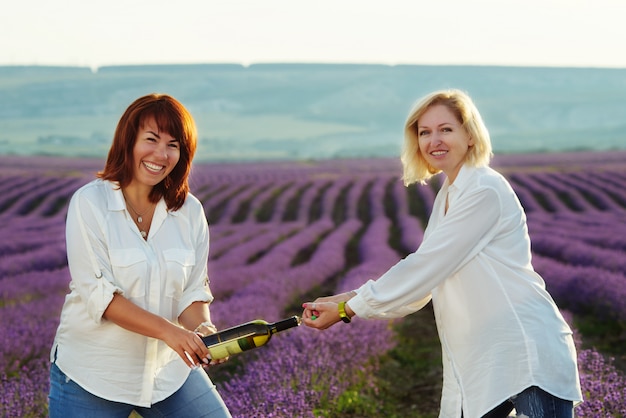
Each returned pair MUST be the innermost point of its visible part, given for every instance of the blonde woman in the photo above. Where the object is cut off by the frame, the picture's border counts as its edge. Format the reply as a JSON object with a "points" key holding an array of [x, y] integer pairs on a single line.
{"points": [[505, 344]]}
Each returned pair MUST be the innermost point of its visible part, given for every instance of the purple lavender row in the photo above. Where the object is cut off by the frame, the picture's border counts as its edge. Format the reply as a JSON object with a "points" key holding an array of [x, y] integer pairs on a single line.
{"points": [[252, 172], [249, 240], [277, 259], [33, 284], [273, 289], [308, 197], [25, 394], [235, 268], [283, 200], [55, 202], [28, 330], [410, 227], [221, 196], [12, 182], [270, 379], [234, 202], [332, 195], [43, 258], [27, 234], [593, 197], [226, 238], [603, 386], [334, 373], [525, 196], [545, 196], [603, 189], [584, 289], [569, 193], [306, 370], [376, 198], [372, 248], [586, 191], [29, 200], [275, 244], [376, 257], [222, 193], [203, 187], [260, 200], [578, 253], [329, 372], [603, 230], [615, 180], [12, 201], [610, 187], [354, 194], [26, 337], [326, 262]]}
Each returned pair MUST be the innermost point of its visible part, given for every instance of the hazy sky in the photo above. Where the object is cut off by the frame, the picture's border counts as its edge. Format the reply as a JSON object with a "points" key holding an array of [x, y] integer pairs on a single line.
{"points": [[588, 33]]}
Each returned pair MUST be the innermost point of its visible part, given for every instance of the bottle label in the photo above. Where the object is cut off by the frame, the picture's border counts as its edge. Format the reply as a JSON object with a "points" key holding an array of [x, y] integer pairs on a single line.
{"points": [[231, 347], [225, 349]]}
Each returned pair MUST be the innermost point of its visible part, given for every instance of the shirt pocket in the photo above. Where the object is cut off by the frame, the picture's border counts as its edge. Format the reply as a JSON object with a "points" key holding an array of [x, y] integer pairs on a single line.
{"points": [[179, 264], [130, 271]]}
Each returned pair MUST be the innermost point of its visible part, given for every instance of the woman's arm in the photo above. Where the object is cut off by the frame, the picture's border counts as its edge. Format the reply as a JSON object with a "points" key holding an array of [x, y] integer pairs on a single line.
{"points": [[407, 286], [186, 343], [194, 315]]}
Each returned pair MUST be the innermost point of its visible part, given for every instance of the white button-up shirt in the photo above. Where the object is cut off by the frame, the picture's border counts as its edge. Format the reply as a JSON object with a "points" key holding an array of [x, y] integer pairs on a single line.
{"points": [[164, 275], [500, 330]]}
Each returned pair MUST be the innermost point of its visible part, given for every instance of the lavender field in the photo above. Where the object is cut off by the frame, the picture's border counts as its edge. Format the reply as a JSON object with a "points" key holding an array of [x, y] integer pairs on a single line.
{"points": [[283, 233]]}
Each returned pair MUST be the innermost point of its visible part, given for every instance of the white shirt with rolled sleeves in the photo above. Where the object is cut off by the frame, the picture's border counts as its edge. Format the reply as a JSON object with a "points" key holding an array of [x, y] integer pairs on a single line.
{"points": [[500, 330], [163, 275]]}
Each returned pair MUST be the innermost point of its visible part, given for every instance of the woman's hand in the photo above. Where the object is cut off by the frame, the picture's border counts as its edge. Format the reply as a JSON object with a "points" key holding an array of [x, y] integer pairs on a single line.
{"points": [[204, 329], [197, 317], [188, 345], [320, 315], [324, 312]]}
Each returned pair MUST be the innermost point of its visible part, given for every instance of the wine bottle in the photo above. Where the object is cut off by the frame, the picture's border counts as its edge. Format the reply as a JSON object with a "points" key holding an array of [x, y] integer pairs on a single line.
{"points": [[245, 337]]}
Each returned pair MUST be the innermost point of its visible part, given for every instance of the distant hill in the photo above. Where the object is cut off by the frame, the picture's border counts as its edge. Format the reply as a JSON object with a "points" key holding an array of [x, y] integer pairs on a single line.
{"points": [[309, 111]]}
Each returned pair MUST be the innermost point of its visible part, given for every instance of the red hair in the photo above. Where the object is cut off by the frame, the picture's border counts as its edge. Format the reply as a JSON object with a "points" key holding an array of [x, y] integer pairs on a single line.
{"points": [[172, 118]]}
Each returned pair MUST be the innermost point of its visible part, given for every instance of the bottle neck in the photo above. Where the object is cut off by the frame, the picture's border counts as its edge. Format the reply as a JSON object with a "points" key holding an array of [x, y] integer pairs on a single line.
{"points": [[284, 324]]}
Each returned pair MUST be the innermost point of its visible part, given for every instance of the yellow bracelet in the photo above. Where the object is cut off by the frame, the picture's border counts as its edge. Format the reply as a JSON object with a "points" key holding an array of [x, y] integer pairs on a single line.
{"points": [[342, 312]]}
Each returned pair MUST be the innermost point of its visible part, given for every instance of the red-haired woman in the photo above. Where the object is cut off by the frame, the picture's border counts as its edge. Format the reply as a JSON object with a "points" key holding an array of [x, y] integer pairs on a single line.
{"points": [[137, 246]]}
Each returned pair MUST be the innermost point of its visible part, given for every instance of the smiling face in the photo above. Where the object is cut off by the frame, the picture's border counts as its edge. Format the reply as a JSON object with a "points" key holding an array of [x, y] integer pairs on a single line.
{"points": [[443, 142], [155, 154]]}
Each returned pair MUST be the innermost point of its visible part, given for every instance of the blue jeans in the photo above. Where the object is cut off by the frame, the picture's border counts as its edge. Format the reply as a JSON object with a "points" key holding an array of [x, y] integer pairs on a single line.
{"points": [[534, 403], [196, 398]]}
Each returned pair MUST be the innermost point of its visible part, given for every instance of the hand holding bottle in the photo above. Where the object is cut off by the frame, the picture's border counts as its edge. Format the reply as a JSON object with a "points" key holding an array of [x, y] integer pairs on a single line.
{"points": [[204, 330], [187, 344], [245, 337]]}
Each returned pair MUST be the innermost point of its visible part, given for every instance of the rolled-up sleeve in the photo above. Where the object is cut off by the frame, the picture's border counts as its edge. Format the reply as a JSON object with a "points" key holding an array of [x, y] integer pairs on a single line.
{"points": [[87, 255], [465, 230], [197, 287]]}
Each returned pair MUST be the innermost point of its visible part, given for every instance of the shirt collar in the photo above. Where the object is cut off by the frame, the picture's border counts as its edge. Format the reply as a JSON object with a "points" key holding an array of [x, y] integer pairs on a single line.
{"points": [[115, 198], [462, 178]]}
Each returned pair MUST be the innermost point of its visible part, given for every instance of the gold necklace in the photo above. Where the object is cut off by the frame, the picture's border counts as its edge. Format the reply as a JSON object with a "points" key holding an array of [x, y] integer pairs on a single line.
{"points": [[143, 232], [139, 215]]}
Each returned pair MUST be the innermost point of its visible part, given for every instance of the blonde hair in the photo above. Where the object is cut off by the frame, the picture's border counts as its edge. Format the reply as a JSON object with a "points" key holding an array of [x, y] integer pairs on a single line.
{"points": [[415, 167]]}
